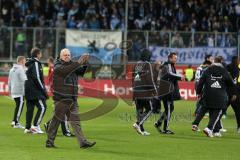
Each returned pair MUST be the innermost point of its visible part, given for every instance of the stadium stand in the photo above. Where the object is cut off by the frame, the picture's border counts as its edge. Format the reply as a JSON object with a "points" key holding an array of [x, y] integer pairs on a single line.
{"points": [[182, 15]]}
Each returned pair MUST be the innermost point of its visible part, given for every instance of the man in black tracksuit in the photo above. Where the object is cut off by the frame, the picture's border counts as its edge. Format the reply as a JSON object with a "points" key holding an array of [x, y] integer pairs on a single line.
{"points": [[169, 74], [213, 86], [144, 89], [35, 92], [234, 70]]}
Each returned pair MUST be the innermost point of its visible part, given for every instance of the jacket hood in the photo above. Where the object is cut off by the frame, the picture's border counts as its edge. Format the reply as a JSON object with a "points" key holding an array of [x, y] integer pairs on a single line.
{"points": [[30, 61], [17, 66]]}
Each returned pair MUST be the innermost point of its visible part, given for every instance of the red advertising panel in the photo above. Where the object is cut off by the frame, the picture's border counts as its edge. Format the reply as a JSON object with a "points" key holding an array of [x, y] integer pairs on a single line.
{"points": [[110, 88]]}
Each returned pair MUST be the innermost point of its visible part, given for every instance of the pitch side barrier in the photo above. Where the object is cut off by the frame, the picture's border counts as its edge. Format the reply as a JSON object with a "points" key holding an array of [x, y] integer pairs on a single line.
{"points": [[107, 88]]}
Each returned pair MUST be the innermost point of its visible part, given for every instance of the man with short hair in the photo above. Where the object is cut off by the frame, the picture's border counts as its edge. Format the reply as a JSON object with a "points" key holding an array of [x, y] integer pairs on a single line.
{"points": [[65, 94], [16, 80], [213, 86], [169, 74], [35, 92], [64, 124]]}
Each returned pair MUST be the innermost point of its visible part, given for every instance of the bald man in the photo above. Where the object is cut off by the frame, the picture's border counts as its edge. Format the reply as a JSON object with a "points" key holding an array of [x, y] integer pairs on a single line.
{"points": [[65, 94]]}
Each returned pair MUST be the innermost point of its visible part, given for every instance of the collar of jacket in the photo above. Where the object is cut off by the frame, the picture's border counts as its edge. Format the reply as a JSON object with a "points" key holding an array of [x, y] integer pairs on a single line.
{"points": [[63, 62], [218, 64], [36, 59]]}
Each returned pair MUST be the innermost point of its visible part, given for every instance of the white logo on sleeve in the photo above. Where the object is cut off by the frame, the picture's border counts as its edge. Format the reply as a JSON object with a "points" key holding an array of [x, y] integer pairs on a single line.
{"points": [[137, 78], [216, 85]]}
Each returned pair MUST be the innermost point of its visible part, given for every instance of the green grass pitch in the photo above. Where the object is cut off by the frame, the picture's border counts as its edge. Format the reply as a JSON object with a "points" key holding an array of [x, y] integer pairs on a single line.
{"points": [[116, 138]]}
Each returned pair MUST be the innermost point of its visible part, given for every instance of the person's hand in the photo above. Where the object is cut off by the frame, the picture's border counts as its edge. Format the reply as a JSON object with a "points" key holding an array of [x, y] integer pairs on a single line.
{"points": [[183, 78], [233, 98], [46, 95], [84, 58]]}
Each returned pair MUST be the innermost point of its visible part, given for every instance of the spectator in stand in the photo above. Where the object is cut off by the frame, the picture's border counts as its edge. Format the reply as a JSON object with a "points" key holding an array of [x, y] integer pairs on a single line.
{"points": [[175, 15], [177, 41]]}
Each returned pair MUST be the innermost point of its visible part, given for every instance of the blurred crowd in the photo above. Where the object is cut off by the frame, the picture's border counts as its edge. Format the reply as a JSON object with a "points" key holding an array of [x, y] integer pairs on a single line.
{"points": [[184, 15]]}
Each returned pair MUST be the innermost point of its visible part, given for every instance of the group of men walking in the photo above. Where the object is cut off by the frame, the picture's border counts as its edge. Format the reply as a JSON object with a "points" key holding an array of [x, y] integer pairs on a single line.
{"points": [[26, 81], [217, 87], [151, 84]]}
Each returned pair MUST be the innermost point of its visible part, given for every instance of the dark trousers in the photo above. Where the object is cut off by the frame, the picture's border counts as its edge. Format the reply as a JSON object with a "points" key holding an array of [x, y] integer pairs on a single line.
{"points": [[144, 110], [198, 106], [68, 107], [64, 126], [166, 115], [200, 114], [236, 108], [19, 102], [41, 105], [215, 116], [156, 105]]}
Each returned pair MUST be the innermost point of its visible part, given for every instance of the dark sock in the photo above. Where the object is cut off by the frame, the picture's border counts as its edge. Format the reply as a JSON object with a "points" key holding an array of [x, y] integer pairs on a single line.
{"points": [[141, 127]]}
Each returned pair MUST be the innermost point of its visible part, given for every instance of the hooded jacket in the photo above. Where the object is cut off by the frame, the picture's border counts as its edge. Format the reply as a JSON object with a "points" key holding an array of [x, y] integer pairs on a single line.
{"points": [[34, 85], [65, 79], [16, 80]]}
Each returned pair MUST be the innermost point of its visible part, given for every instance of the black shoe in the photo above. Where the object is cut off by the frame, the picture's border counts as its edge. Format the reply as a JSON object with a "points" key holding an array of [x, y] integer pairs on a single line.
{"points": [[87, 144], [50, 145], [157, 126], [167, 132], [68, 134], [46, 127]]}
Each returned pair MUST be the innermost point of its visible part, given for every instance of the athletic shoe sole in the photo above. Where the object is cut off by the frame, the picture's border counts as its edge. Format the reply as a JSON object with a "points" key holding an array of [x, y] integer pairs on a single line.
{"points": [[207, 134]]}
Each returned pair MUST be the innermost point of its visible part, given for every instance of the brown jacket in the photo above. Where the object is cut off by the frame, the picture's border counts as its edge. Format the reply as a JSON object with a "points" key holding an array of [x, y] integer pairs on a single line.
{"points": [[65, 79]]}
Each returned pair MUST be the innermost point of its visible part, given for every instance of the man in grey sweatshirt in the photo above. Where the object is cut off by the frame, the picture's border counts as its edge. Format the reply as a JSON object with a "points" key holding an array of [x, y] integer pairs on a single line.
{"points": [[16, 80]]}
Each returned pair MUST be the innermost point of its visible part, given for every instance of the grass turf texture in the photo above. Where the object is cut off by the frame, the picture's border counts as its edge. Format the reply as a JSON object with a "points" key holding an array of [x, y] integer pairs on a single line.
{"points": [[116, 138]]}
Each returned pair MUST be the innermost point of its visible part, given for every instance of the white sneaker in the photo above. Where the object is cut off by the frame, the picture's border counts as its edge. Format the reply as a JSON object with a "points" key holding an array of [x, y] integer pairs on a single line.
{"points": [[195, 128], [217, 134], [223, 130], [238, 130], [18, 125], [145, 133], [30, 131], [12, 124], [208, 132], [38, 129], [137, 128]]}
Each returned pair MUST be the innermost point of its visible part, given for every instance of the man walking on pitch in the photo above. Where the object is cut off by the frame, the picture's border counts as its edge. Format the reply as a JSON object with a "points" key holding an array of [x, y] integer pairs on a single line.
{"points": [[213, 86], [64, 124], [16, 80], [144, 89], [169, 74], [65, 93], [35, 92]]}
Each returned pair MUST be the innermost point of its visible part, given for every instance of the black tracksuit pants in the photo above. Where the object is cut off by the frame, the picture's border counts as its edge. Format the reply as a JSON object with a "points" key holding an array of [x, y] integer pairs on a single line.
{"points": [[41, 105], [144, 110], [215, 116], [19, 101], [236, 108], [166, 115]]}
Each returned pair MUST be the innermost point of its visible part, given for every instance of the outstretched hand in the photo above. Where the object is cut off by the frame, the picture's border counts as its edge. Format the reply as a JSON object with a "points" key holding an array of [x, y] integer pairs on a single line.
{"points": [[84, 58]]}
